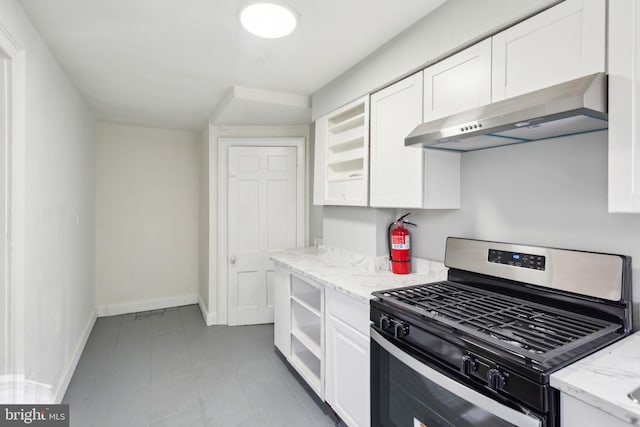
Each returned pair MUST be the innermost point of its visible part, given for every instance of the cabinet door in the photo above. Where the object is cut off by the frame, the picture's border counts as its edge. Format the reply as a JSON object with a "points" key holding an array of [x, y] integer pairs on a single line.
{"points": [[624, 106], [347, 385], [396, 170], [282, 311], [408, 177], [458, 83], [562, 43]]}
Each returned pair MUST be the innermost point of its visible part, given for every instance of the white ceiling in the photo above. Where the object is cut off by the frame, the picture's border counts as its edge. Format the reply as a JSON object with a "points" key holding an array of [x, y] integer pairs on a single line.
{"points": [[170, 63]]}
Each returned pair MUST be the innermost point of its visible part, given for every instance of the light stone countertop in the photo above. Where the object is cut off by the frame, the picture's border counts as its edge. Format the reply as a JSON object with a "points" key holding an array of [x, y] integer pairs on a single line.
{"points": [[351, 273], [604, 379]]}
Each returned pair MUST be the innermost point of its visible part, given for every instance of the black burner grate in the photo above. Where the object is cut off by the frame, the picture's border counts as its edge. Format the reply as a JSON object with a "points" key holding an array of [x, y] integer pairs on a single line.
{"points": [[534, 331]]}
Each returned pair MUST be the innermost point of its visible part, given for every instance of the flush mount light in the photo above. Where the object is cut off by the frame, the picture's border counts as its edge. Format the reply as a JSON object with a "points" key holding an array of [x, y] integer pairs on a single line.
{"points": [[268, 20]]}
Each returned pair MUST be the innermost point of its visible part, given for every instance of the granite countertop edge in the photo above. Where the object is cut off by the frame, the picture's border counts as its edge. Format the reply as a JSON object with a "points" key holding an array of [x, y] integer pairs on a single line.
{"points": [[604, 379], [332, 273]]}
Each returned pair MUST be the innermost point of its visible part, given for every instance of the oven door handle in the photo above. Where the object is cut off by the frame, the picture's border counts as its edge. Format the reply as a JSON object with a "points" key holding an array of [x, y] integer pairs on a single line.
{"points": [[478, 399]]}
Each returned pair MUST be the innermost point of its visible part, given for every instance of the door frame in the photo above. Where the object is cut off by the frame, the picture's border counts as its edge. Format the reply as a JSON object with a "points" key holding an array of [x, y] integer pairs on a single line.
{"points": [[12, 388], [222, 288]]}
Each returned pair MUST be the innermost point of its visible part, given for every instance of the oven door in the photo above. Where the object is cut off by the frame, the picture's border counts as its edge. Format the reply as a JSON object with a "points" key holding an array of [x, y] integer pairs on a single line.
{"points": [[407, 393]]}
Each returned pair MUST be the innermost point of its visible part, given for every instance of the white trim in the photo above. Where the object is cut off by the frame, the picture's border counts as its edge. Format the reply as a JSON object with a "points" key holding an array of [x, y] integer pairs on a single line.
{"points": [[37, 393], [73, 363], [30, 392], [15, 214], [222, 223], [8, 388], [209, 318], [146, 305]]}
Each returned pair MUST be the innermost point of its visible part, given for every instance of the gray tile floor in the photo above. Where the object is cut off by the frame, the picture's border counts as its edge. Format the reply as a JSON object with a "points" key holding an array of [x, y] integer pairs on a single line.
{"points": [[169, 369]]}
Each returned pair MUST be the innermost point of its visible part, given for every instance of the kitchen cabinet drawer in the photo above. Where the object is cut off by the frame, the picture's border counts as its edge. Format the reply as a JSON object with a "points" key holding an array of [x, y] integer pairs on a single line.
{"points": [[458, 83], [341, 165], [562, 43], [348, 309], [408, 177]]}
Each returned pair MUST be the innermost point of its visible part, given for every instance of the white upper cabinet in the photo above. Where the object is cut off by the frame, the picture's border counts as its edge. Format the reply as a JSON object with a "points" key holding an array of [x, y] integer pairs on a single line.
{"points": [[341, 173], [458, 83], [408, 177], [562, 43], [624, 106]]}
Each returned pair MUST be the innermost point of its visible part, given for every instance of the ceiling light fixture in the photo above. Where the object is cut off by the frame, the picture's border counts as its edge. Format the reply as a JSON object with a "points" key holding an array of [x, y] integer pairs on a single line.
{"points": [[268, 20]]}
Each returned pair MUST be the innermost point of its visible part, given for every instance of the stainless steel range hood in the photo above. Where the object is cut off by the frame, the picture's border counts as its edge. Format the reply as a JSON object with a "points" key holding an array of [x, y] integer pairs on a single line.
{"points": [[577, 106]]}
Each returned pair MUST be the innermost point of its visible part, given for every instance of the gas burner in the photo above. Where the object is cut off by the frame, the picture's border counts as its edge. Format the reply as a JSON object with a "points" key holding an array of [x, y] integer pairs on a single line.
{"points": [[532, 330]]}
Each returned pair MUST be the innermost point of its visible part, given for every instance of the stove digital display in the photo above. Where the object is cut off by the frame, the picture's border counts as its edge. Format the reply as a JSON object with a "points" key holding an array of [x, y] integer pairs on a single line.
{"points": [[515, 259]]}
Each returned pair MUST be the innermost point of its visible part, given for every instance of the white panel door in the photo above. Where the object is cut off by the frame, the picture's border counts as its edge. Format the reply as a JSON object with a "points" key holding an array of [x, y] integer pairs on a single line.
{"points": [[458, 83], [562, 43], [262, 219], [396, 171]]}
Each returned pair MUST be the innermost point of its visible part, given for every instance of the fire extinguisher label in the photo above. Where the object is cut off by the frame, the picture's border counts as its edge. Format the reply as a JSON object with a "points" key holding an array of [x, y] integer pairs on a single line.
{"points": [[400, 242]]}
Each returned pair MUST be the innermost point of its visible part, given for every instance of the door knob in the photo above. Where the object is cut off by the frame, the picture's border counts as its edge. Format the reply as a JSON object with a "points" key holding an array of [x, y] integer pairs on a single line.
{"points": [[233, 260]]}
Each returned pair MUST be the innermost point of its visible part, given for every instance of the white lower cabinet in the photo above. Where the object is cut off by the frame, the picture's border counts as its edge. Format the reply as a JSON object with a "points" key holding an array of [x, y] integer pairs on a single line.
{"points": [[299, 326], [282, 311], [347, 387], [575, 413], [324, 335]]}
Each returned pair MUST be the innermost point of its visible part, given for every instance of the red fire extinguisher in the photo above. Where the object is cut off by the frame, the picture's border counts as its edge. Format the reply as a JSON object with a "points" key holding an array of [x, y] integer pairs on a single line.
{"points": [[400, 245]]}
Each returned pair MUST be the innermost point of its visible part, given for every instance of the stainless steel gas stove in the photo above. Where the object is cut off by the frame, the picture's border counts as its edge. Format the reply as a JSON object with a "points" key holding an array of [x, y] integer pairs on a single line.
{"points": [[478, 349]]}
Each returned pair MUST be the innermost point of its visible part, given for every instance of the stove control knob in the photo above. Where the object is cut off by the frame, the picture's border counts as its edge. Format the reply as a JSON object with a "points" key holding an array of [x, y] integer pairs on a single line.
{"points": [[401, 329], [384, 322], [468, 365], [496, 379]]}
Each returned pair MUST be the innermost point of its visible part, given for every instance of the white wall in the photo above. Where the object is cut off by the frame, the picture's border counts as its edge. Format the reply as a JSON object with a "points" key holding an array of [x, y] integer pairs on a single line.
{"points": [[356, 229], [147, 222], [59, 216], [455, 24]]}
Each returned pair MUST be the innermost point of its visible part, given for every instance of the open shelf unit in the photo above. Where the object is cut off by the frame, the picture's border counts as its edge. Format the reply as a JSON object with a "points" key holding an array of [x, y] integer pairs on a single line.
{"points": [[342, 150], [307, 364], [307, 331], [306, 328], [347, 145]]}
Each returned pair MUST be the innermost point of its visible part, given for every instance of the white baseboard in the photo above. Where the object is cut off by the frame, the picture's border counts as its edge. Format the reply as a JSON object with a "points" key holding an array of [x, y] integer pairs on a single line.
{"points": [[10, 389], [209, 317], [38, 393], [73, 363], [145, 305], [16, 389]]}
